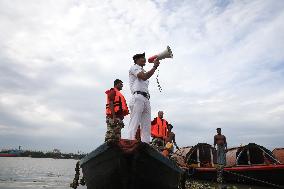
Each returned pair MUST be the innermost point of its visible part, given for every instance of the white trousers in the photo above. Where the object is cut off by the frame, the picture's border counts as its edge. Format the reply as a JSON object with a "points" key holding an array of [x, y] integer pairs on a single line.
{"points": [[140, 114]]}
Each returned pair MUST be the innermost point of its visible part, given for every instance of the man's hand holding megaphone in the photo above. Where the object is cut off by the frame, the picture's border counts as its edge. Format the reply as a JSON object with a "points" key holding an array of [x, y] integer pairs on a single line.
{"points": [[151, 72], [156, 63]]}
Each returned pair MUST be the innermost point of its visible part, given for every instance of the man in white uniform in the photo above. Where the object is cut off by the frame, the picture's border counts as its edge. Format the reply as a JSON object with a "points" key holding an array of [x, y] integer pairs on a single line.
{"points": [[140, 109]]}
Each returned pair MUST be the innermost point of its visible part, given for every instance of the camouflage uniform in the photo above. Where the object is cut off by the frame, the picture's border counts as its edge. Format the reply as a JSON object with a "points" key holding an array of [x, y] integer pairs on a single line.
{"points": [[113, 129]]}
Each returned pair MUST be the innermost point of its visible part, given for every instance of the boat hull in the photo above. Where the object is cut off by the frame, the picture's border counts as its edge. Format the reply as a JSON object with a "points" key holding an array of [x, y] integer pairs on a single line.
{"points": [[8, 155], [270, 175], [111, 167]]}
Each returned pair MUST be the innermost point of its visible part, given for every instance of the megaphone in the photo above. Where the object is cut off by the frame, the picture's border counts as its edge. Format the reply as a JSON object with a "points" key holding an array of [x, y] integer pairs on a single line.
{"points": [[162, 55]]}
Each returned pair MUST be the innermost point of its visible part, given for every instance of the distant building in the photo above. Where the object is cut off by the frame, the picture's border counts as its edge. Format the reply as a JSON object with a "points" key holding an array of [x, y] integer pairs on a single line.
{"points": [[56, 151]]}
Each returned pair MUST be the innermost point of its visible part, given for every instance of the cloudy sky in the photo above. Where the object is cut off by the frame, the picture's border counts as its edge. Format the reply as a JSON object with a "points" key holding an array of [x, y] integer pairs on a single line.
{"points": [[57, 58]]}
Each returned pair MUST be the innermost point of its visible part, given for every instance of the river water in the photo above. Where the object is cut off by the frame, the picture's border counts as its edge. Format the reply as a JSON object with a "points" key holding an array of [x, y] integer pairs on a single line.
{"points": [[36, 173]]}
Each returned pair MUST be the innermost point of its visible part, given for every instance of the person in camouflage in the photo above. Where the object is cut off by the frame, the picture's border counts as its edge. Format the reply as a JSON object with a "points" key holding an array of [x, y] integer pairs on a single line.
{"points": [[116, 110], [113, 129]]}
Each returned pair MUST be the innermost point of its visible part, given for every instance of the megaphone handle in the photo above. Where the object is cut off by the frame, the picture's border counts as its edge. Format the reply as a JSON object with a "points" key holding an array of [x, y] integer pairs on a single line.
{"points": [[159, 86]]}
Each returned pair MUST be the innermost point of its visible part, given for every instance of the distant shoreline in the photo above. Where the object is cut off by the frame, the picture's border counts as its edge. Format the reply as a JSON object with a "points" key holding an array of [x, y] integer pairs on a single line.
{"points": [[39, 154]]}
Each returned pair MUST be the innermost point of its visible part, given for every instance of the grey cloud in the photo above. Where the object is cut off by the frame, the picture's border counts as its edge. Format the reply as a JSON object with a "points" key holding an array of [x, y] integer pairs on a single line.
{"points": [[227, 69]]}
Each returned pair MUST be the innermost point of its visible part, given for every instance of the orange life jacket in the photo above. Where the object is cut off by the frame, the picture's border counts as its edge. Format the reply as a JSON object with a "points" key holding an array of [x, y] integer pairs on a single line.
{"points": [[165, 153], [159, 129], [119, 103]]}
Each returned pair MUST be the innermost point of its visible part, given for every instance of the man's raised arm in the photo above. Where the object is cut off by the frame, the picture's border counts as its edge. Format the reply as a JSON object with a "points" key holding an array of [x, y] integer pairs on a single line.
{"points": [[147, 75]]}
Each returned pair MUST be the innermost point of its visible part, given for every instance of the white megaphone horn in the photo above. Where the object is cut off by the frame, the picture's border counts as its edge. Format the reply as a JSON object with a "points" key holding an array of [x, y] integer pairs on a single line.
{"points": [[162, 55]]}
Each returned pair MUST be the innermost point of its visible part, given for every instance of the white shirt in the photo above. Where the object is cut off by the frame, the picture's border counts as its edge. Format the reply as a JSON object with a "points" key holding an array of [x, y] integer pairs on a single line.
{"points": [[135, 83]]}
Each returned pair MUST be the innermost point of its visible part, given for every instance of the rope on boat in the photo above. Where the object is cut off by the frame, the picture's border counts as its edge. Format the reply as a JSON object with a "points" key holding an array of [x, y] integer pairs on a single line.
{"points": [[76, 182], [254, 179], [271, 156]]}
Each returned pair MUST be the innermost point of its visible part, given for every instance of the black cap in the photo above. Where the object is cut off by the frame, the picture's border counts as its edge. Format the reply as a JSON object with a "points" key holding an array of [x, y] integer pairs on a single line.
{"points": [[136, 56], [117, 81], [218, 129]]}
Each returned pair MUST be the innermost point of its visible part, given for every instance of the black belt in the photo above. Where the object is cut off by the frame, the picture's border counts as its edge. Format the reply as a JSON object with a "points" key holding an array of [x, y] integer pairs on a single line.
{"points": [[146, 95]]}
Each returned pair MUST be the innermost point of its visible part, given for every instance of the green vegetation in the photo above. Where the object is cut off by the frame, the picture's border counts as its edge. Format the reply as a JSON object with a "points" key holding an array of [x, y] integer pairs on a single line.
{"points": [[194, 184], [54, 154]]}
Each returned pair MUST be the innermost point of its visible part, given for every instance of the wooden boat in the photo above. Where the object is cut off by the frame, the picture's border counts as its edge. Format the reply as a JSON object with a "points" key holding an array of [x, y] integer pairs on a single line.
{"points": [[200, 155], [252, 164], [279, 154], [10, 153], [128, 165]]}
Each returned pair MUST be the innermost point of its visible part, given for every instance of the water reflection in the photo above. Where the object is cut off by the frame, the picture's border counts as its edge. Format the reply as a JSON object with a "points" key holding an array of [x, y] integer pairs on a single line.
{"points": [[31, 173]]}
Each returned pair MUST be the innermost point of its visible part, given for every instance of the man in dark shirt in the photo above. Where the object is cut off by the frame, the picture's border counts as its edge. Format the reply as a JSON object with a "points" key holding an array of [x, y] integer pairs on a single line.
{"points": [[170, 142], [220, 141], [171, 137]]}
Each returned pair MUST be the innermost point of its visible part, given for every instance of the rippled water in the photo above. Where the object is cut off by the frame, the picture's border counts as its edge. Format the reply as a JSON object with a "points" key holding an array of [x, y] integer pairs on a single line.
{"points": [[31, 173], [20, 172]]}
